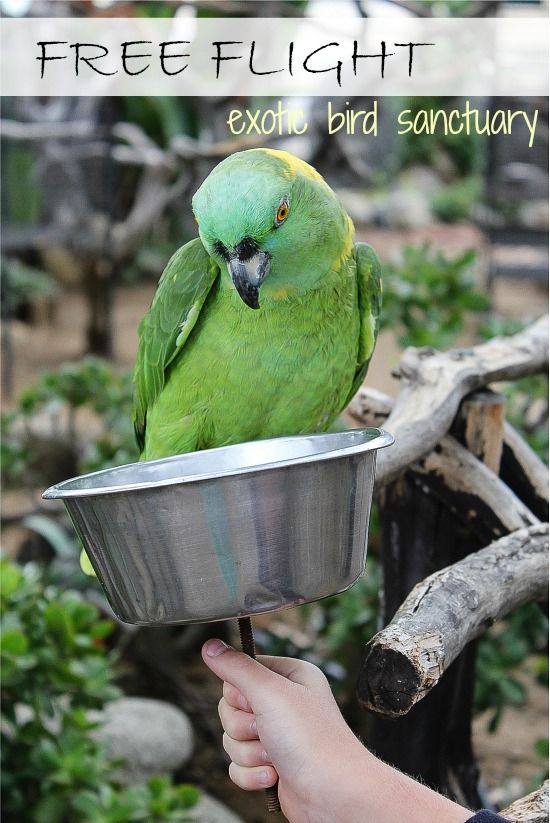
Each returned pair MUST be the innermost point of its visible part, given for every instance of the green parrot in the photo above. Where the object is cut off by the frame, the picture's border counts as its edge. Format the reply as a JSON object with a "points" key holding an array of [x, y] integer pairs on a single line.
{"points": [[264, 325]]}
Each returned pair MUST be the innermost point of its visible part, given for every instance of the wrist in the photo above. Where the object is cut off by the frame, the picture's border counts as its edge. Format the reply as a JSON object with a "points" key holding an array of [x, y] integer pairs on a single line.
{"points": [[345, 793]]}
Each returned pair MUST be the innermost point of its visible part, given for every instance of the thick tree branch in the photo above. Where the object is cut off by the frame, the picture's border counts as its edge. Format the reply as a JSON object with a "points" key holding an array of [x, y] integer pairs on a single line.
{"points": [[530, 809], [490, 508], [154, 194], [434, 383], [472, 491], [447, 610]]}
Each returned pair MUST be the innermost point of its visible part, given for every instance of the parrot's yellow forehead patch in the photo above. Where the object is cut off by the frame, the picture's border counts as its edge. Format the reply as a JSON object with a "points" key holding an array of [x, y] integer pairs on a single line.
{"points": [[294, 165]]}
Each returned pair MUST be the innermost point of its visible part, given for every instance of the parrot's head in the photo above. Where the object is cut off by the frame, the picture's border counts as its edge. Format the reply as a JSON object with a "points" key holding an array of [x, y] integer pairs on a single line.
{"points": [[271, 221]]}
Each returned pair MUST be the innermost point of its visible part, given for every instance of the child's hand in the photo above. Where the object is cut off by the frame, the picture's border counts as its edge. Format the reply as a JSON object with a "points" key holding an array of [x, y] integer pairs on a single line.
{"points": [[280, 719]]}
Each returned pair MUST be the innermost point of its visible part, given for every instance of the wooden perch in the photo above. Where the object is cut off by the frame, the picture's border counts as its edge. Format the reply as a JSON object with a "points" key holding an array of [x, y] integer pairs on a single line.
{"points": [[530, 809], [434, 383], [472, 491], [454, 474], [447, 610]]}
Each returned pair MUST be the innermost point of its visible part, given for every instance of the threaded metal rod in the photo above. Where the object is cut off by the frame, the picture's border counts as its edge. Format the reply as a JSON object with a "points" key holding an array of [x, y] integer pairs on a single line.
{"points": [[249, 648], [247, 637]]}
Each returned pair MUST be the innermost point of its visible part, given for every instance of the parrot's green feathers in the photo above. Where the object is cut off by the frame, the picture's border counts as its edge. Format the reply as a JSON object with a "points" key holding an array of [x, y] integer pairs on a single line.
{"points": [[369, 293], [182, 290], [265, 325]]}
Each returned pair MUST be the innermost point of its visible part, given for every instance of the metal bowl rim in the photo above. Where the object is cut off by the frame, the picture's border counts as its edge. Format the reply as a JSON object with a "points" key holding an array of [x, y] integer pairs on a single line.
{"points": [[380, 441]]}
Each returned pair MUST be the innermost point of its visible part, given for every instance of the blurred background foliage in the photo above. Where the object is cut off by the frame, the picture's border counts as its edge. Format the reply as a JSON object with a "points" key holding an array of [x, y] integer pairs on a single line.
{"points": [[78, 234]]}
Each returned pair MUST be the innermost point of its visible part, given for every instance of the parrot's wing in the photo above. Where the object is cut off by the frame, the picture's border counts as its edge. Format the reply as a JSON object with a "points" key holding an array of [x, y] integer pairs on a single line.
{"points": [[182, 290], [369, 294]]}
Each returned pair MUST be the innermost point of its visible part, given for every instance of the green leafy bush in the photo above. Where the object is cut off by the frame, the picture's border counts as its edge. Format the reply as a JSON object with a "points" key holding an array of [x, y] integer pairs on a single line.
{"points": [[455, 201], [54, 668], [429, 297], [14, 454]]}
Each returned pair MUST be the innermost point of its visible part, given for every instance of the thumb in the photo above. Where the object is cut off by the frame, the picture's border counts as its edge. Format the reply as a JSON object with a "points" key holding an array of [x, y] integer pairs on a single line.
{"points": [[250, 677]]}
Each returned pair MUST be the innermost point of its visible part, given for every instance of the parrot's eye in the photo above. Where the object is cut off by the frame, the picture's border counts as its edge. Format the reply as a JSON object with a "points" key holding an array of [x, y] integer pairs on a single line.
{"points": [[282, 212]]}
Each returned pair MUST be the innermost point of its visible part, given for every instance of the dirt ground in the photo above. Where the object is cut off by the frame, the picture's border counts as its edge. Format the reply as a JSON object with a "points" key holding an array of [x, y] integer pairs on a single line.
{"points": [[507, 758]]}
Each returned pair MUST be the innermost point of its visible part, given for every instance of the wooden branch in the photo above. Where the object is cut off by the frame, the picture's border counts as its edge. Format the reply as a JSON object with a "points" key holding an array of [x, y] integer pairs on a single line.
{"points": [[473, 491], [530, 809], [524, 472], [370, 407], [450, 471], [479, 426], [154, 193], [447, 610], [70, 129], [427, 527], [187, 148], [138, 149], [434, 383]]}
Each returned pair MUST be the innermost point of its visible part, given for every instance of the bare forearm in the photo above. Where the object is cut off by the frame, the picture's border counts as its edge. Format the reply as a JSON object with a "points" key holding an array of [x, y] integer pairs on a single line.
{"points": [[369, 791]]}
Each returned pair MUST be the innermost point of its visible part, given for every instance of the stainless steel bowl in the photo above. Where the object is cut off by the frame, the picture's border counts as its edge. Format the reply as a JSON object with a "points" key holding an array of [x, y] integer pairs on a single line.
{"points": [[228, 532]]}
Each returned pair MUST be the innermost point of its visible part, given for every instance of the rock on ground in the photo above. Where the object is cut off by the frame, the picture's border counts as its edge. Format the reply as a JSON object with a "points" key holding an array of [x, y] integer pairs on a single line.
{"points": [[153, 737], [209, 810]]}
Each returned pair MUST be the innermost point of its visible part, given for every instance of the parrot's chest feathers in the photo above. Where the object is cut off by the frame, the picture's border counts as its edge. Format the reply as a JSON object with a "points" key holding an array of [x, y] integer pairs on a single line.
{"points": [[287, 365], [283, 369], [320, 326]]}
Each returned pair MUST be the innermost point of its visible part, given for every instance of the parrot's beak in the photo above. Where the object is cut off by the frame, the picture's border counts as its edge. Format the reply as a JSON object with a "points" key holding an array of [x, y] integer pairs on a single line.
{"points": [[248, 275]]}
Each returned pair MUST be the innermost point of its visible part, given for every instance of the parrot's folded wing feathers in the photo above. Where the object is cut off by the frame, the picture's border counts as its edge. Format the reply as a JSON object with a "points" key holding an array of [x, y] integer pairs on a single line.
{"points": [[182, 290], [369, 292]]}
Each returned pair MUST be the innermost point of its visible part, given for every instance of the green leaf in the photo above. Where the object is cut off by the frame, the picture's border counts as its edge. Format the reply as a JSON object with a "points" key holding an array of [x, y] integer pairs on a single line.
{"points": [[88, 806], [59, 623], [101, 629], [10, 579], [187, 795], [512, 691], [14, 643], [541, 747], [86, 565], [83, 614], [52, 808]]}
